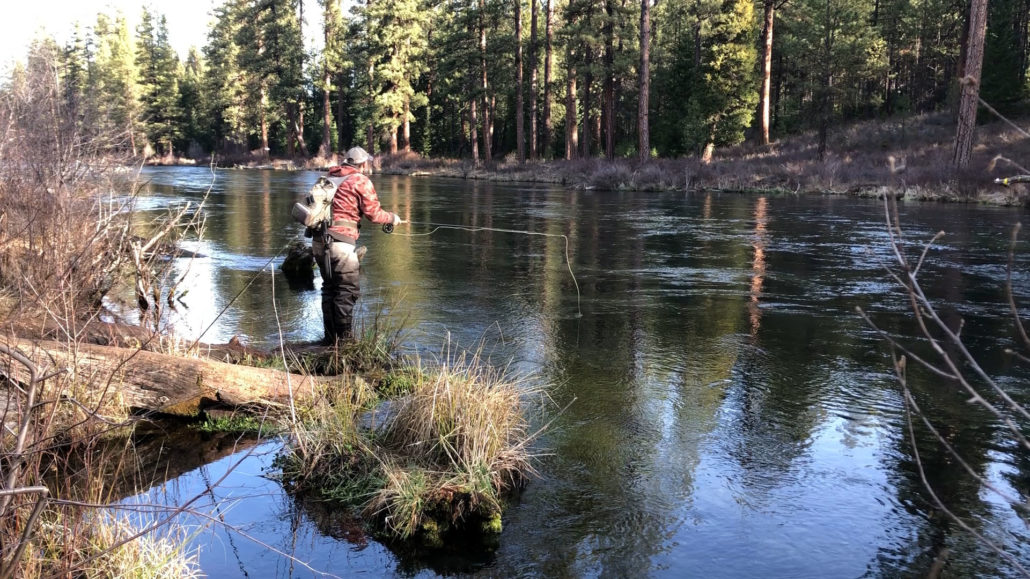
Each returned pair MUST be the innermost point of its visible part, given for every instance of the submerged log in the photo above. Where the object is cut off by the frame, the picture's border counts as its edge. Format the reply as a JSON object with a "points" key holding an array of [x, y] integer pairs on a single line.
{"points": [[165, 383]]}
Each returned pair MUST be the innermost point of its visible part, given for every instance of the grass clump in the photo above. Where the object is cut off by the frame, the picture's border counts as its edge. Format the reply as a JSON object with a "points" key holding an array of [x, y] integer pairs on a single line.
{"points": [[327, 454], [438, 460], [102, 550]]}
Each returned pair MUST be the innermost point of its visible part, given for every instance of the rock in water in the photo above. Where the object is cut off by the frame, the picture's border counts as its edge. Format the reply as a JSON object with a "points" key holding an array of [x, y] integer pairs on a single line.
{"points": [[299, 266]]}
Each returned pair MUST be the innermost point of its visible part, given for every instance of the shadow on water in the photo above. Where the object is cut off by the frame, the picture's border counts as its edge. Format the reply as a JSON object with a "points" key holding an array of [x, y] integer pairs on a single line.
{"points": [[726, 413]]}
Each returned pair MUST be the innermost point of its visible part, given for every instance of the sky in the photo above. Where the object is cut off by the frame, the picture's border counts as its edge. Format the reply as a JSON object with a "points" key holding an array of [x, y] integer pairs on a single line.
{"points": [[22, 20]]}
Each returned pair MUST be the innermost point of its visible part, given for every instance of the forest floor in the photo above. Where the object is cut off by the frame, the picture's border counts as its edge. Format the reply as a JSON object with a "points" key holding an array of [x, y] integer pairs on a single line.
{"points": [[907, 157]]}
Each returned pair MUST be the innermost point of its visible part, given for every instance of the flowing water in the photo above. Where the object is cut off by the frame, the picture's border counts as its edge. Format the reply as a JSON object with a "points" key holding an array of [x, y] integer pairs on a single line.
{"points": [[720, 410]]}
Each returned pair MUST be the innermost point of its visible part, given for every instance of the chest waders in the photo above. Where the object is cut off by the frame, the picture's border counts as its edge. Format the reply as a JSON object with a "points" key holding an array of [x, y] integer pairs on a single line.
{"points": [[337, 261]]}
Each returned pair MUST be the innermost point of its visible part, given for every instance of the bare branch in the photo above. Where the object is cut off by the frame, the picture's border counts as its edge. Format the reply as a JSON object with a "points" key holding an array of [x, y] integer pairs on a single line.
{"points": [[1008, 288]]}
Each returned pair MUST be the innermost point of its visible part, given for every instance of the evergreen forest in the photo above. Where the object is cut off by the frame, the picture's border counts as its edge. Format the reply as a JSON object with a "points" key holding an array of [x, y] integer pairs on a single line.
{"points": [[493, 79]]}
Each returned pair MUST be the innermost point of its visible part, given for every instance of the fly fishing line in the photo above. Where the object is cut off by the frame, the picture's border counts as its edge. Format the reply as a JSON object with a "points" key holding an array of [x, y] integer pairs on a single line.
{"points": [[475, 228]]}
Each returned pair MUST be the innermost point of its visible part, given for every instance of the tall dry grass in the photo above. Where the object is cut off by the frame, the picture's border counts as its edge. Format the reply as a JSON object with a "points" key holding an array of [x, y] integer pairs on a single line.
{"points": [[456, 445]]}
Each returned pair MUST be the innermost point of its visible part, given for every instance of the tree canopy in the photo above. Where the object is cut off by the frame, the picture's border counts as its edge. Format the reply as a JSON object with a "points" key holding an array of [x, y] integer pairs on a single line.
{"points": [[466, 78]]}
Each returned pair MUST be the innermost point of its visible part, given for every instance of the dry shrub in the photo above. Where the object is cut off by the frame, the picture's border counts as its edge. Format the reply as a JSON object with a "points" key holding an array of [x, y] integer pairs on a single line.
{"points": [[65, 237], [653, 177], [406, 162], [613, 176], [63, 231]]}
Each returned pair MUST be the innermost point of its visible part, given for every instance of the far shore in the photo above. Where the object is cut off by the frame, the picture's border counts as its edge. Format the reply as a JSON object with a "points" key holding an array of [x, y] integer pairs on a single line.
{"points": [[906, 158]]}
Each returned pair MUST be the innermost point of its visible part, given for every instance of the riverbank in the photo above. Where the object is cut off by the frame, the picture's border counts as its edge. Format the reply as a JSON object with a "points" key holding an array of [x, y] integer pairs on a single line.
{"points": [[909, 158]]}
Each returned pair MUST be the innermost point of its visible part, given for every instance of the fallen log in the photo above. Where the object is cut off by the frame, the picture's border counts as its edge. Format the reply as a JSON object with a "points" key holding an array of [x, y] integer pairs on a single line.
{"points": [[163, 383]]}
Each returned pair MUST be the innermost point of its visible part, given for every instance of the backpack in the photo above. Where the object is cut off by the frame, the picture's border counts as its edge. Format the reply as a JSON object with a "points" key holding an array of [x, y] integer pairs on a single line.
{"points": [[316, 208]]}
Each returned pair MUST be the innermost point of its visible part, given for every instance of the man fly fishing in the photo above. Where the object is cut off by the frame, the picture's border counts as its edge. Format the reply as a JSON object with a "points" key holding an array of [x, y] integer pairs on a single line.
{"points": [[334, 247]]}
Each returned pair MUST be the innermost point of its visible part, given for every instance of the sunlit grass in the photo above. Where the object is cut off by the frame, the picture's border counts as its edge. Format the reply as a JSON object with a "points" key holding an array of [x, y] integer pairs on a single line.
{"points": [[442, 454], [95, 549]]}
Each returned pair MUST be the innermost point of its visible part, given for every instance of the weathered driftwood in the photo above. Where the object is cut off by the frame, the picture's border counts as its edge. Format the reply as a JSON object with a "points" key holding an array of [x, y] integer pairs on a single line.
{"points": [[164, 383]]}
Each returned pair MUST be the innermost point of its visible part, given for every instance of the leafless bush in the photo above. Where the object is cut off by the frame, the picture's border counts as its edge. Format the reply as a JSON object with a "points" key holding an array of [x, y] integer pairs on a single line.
{"points": [[950, 359], [68, 229], [67, 234], [611, 176], [406, 162], [62, 227]]}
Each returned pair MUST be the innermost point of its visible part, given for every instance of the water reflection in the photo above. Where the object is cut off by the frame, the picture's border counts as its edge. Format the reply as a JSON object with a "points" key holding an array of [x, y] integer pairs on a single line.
{"points": [[758, 264], [725, 412]]}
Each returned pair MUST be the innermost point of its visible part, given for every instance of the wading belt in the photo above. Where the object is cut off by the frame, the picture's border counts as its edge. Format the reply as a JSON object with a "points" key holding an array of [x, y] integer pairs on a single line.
{"points": [[339, 236]]}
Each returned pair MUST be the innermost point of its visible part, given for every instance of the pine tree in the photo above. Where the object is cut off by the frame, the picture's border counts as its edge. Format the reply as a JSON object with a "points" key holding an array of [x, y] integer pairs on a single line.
{"points": [[331, 64], [644, 83], [276, 57], [158, 83], [194, 135], [837, 55], [1005, 48], [709, 92], [114, 81], [75, 62], [229, 91], [727, 93], [394, 44], [966, 127]]}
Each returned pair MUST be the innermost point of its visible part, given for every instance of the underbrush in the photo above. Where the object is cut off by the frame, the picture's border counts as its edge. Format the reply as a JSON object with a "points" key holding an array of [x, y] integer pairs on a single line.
{"points": [[75, 463], [908, 157], [438, 457], [68, 233]]}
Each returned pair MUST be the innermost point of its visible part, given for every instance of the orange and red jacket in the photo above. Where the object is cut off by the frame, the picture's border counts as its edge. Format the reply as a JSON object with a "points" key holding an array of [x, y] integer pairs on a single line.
{"points": [[355, 198]]}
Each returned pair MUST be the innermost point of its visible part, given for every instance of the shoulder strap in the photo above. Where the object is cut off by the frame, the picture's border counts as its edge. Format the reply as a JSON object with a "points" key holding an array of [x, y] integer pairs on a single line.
{"points": [[337, 181]]}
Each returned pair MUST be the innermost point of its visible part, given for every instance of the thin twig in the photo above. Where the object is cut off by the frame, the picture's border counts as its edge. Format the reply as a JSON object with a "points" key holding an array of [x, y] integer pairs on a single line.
{"points": [[1008, 288]]}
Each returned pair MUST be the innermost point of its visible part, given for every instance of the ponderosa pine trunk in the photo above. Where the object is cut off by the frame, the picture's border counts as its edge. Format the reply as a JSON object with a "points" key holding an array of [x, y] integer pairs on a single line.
{"points": [[969, 99], [548, 71], [532, 79], [643, 130], [487, 109], [520, 113], [327, 118], [608, 91], [326, 148], [264, 123], [406, 127], [571, 124], [825, 99], [341, 110], [392, 144], [586, 143], [473, 137], [767, 50]]}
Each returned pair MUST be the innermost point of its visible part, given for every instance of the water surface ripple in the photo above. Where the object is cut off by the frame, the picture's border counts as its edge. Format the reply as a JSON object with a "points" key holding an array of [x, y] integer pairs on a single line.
{"points": [[728, 414]]}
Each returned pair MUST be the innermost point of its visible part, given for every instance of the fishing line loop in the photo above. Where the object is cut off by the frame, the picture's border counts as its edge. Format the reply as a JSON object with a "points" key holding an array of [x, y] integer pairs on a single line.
{"points": [[475, 228]]}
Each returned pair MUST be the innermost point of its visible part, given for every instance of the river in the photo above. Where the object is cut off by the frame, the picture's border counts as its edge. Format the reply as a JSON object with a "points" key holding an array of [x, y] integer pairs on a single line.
{"points": [[719, 409]]}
